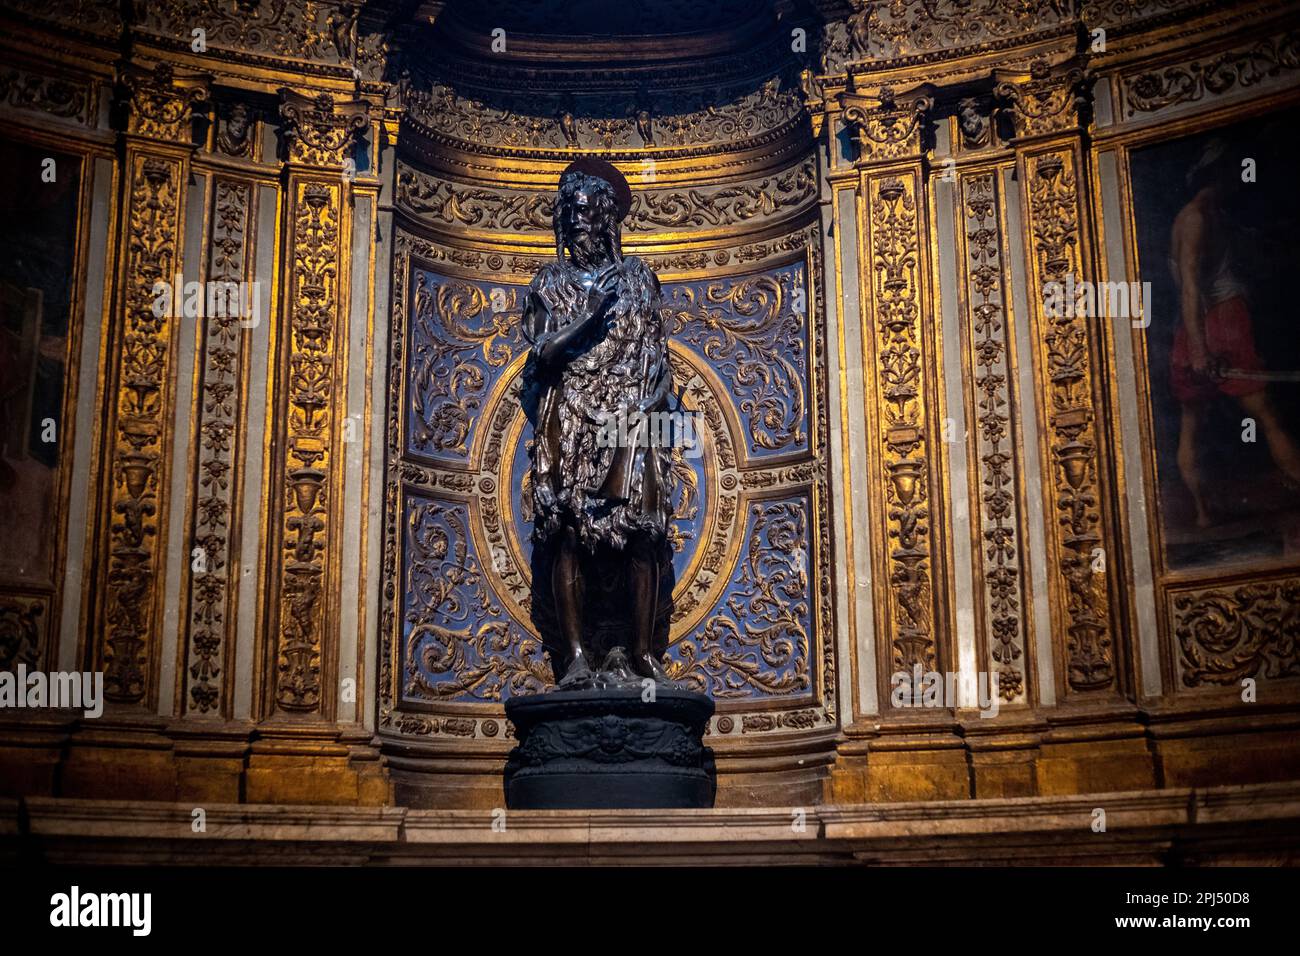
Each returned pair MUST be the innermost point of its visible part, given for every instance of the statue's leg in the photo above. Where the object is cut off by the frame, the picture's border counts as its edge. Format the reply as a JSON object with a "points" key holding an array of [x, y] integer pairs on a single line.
{"points": [[567, 584], [643, 582]]}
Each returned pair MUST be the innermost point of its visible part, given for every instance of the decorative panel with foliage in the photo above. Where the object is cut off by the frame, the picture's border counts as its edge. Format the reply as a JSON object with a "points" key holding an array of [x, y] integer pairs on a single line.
{"points": [[750, 533]]}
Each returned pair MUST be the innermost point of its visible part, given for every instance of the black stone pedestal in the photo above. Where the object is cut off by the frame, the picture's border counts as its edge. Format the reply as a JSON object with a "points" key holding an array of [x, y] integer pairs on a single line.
{"points": [[606, 748]]}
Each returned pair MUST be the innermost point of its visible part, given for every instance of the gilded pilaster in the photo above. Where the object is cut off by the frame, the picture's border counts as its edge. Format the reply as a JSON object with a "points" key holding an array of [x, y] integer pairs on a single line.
{"points": [[1047, 107], [992, 421], [306, 480], [898, 356], [216, 486], [158, 110]]}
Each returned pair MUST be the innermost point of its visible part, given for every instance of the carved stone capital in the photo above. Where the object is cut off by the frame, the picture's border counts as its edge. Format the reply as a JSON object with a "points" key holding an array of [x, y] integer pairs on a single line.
{"points": [[320, 131], [1050, 97], [159, 103], [887, 125]]}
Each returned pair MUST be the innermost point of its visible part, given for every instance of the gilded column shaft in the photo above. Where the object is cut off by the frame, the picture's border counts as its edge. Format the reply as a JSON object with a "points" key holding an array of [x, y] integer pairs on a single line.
{"points": [[1045, 109], [992, 413], [898, 356], [216, 486], [141, 372], [306, 482]]}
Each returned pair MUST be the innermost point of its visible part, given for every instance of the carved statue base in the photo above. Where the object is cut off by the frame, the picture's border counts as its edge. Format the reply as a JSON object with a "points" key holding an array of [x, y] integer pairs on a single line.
{"points": [[606, 748]]}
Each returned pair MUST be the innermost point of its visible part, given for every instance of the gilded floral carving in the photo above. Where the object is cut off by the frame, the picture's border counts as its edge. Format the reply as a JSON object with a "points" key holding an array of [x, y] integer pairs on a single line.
{"points": [[1242, 68], [309, 446], [1067, 381], [728, 117], [752, 333], [890, 29], [1051, 99], [65, 99], [992, 397], [757, 641], [217, 414], [459, 642], [887, 125], [444, 201], [138, 444], [899, 382], [161, 104], [317, 130]]}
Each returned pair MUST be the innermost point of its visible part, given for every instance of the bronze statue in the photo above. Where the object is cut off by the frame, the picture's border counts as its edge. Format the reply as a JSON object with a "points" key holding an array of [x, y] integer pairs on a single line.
{"points": [[600, 491]]}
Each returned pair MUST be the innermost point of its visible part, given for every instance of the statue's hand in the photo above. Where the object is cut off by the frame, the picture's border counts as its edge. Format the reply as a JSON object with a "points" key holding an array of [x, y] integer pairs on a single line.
{"points": [[599, 303], [604, 291], [607, 278]]}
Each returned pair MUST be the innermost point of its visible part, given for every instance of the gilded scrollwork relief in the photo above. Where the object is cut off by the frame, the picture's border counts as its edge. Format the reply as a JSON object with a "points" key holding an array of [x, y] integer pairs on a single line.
{"points": [[753, 332], [1239, 69], [319, 32], [993, 403], [441, 200], [1052, 98], [1226, 633], [463, 335], [757, 640], [319, 131], [900, 396], [722, 118], [749, 608], [138, 441], [307, 486], [476, 207], [62, 98], [217, 416], [161, 103], [891, 29], [459, 643], [1065, 359]]}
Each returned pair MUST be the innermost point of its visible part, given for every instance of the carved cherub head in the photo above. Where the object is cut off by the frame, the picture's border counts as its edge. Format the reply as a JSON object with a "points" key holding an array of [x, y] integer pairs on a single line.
{"points": [[973, 123]]}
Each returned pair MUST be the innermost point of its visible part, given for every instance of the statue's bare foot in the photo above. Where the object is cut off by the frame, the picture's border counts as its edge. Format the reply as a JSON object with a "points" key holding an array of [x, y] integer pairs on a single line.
{"points": [[617, 671], [647, 665], [578, 673]]}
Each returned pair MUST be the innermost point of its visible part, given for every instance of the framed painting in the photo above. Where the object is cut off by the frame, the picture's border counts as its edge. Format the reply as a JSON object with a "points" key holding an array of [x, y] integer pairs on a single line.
{"points": [[1216, 211]]}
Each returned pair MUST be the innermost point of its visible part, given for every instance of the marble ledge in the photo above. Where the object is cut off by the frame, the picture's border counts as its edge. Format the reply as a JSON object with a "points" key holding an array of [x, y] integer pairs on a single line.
{"points": [[1257, 824]]}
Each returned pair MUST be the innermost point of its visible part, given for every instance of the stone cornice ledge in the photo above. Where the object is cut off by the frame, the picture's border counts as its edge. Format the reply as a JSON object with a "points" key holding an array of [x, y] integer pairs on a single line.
{"points": [[1255, 823]]}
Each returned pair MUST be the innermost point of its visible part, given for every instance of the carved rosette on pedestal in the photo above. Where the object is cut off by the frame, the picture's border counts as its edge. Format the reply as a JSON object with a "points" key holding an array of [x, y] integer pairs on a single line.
{"points": [[610, 749]]}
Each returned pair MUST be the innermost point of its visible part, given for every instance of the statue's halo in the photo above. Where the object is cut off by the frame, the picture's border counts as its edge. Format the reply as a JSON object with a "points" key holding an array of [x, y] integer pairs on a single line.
{"points": [[595, 166]]}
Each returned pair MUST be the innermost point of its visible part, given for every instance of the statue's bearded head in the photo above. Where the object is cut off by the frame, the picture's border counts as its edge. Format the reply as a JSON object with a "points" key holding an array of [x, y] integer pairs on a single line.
{"points": [[593, 199], [586, 221]]}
